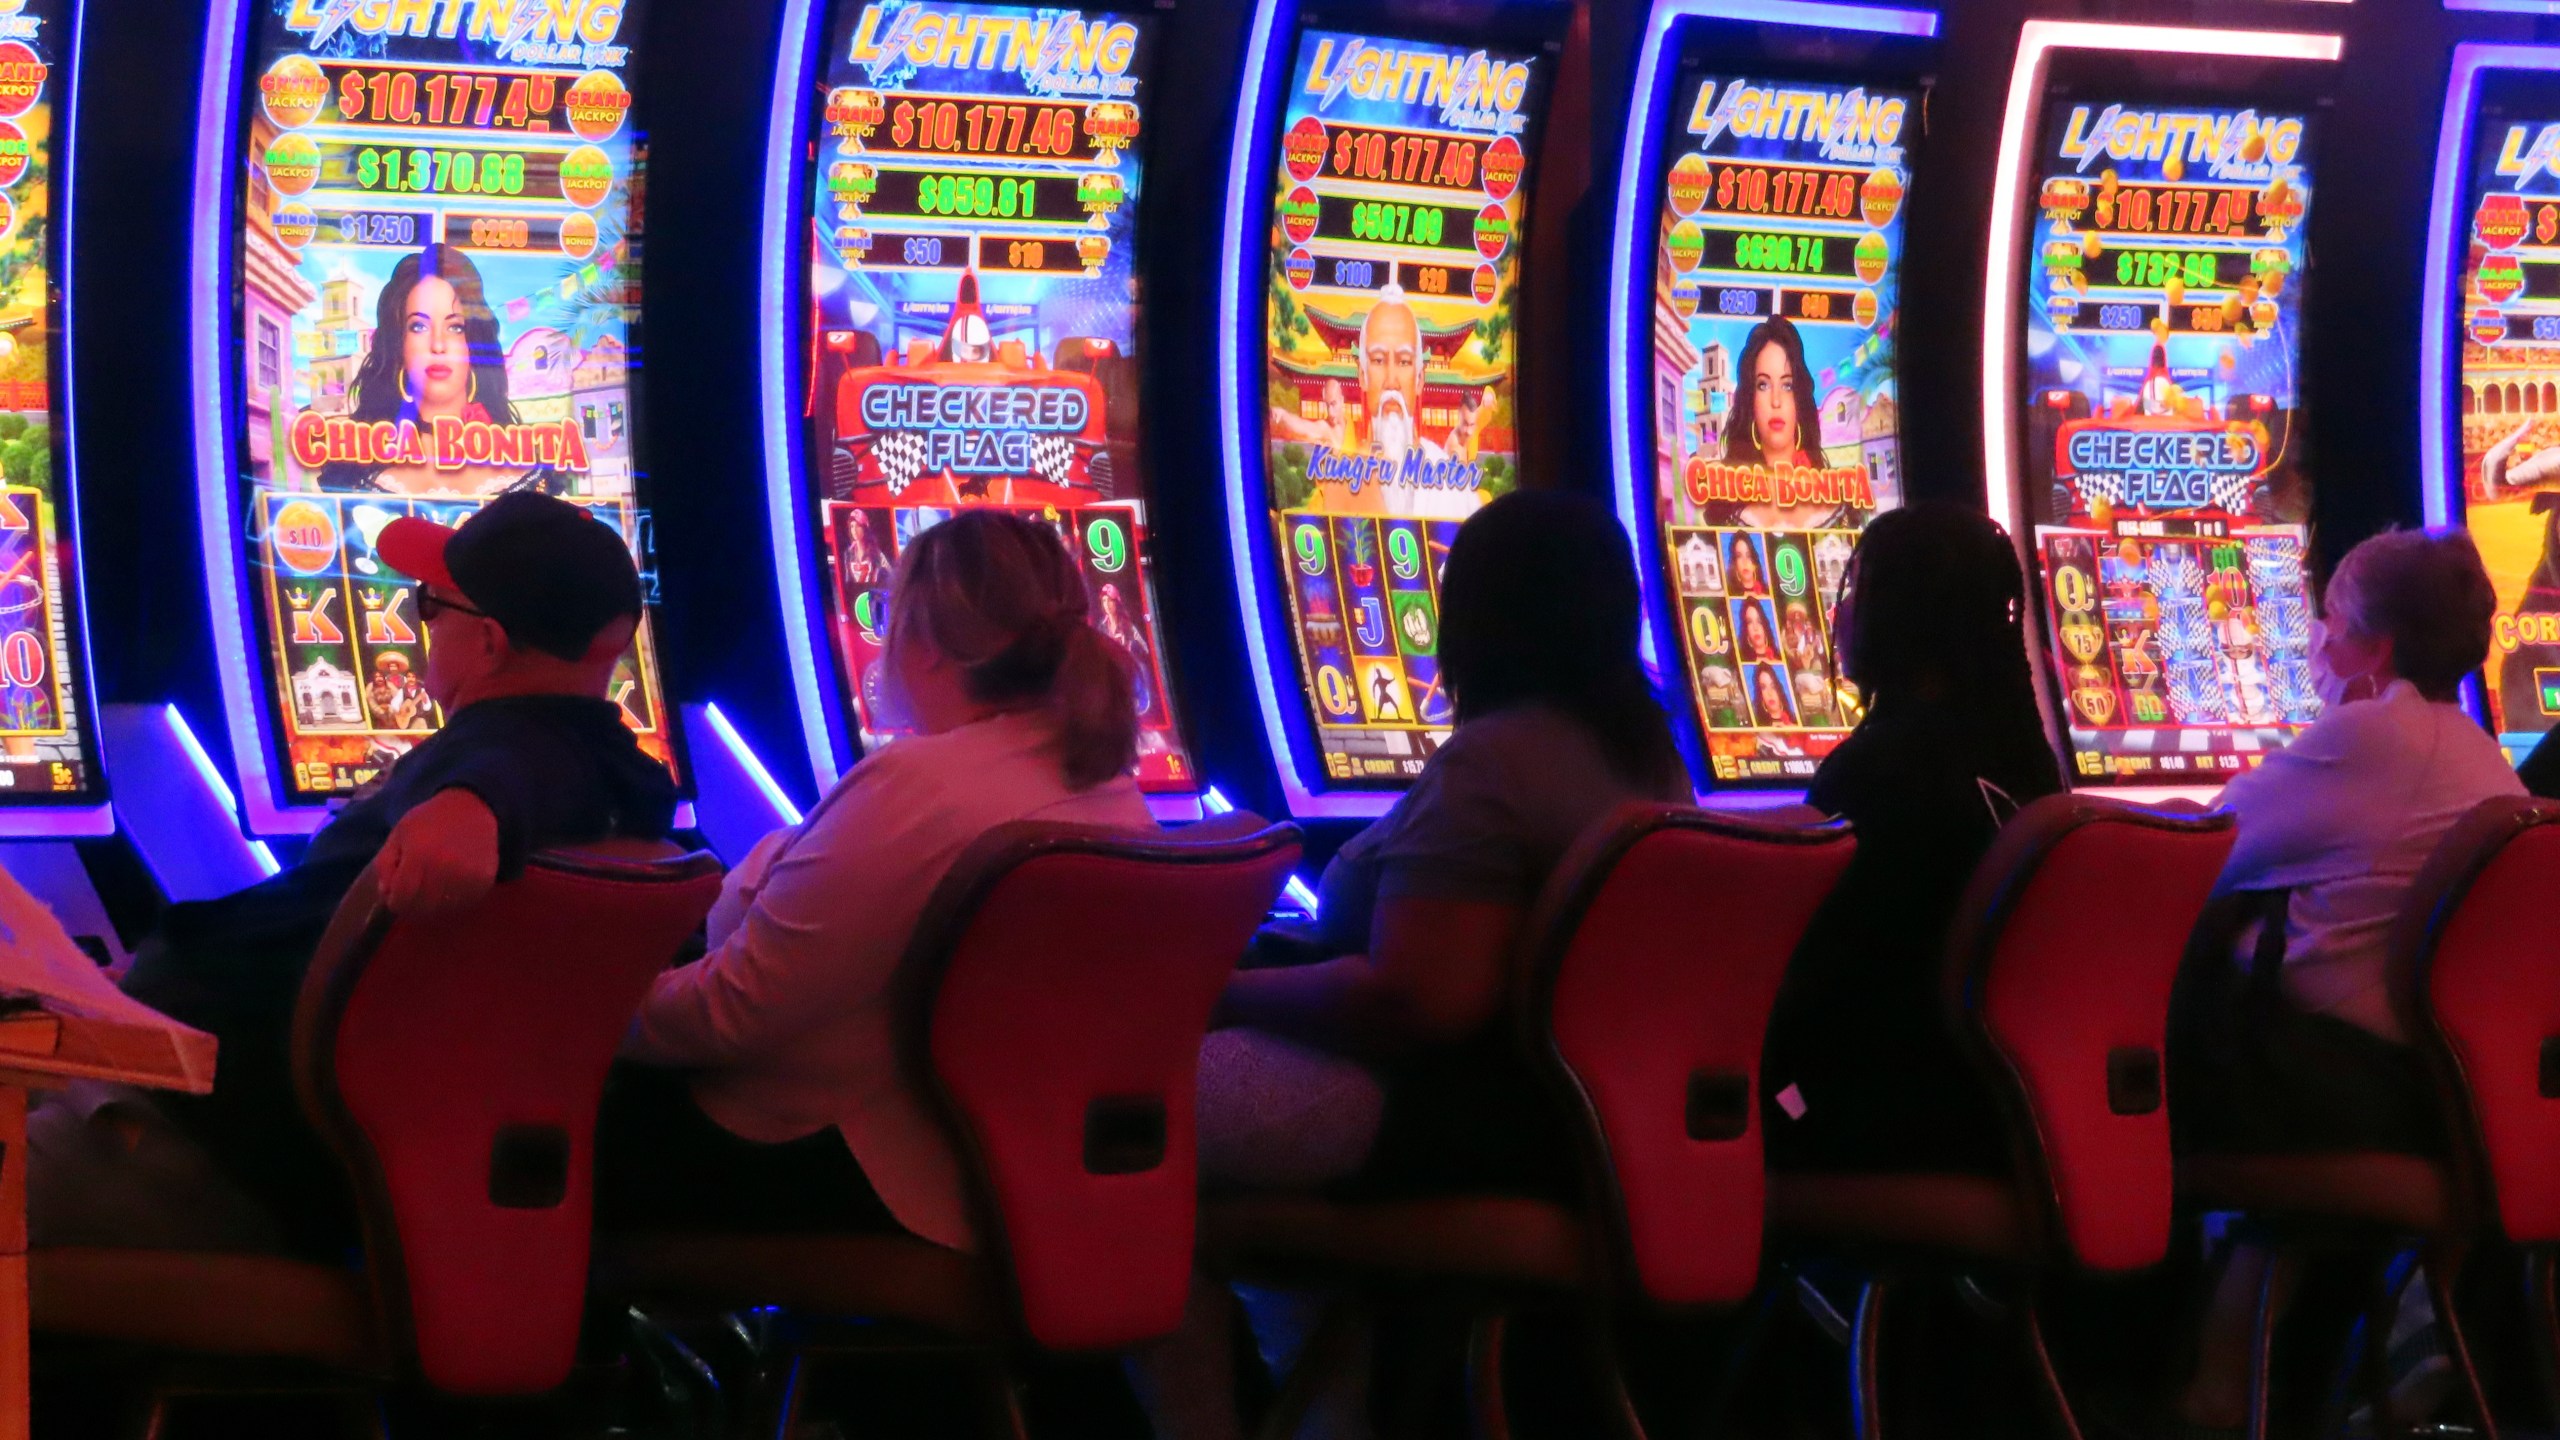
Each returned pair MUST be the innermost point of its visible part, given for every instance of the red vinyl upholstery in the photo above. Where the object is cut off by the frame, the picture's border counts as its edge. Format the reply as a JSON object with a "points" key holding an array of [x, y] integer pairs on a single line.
{"points": [[1655, 958], [456, 1065], [2062, 961], [2481, 960], [1063, 979]]}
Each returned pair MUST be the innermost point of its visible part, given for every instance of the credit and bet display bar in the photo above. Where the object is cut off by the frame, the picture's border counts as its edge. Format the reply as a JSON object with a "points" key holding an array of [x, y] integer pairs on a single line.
{"points": [[435, 272], [1397, 193], [1777, 288], [2162, 471], [973, 221], [50, 781]]}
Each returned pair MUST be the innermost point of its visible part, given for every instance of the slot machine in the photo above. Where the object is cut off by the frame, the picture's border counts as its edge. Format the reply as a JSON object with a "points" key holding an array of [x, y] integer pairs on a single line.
{"points": [[415, 253], [1753, 388], [2143, 403], [1381, 193], [2489, 363], [958, 249], [58, 741]]}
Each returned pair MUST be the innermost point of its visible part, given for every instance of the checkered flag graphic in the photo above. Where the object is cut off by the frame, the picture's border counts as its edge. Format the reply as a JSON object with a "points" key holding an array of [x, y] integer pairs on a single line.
{"points": [[900, 455], [1053, 458]]}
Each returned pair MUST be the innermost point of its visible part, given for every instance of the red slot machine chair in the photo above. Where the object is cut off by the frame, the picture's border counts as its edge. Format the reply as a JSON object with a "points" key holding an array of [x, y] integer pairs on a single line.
{"points": [[2068, 1015], [454, 1066], [1056, 993], [2477, 981], [1651, 1036]]}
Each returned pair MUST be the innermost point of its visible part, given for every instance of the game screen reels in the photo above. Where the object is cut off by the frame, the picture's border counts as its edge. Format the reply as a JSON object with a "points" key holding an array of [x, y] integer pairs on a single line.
{"points": [[975, 329], [1776, 410], [2162, 449], [2509, 391], [1391, 353], [438, 279], [48, 749]]}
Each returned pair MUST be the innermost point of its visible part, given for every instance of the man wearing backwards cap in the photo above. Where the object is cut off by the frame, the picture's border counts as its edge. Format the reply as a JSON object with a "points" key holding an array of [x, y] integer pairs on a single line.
{"points": [[527, 606]]}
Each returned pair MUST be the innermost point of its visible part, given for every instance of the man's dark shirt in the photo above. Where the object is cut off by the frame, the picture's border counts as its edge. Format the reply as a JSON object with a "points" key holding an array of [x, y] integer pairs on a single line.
{"points": [[553, 769], [2540, 771]]}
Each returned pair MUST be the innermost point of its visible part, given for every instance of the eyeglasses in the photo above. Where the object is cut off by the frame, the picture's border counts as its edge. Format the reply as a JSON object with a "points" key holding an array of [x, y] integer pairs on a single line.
{"points": [[431, 605]]}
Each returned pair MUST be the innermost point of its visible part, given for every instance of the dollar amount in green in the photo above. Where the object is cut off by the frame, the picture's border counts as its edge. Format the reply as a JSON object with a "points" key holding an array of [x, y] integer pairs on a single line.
{"points": [[440, 172], [1786, 254], [978, 195], [2151, 269], [1397, 224]]}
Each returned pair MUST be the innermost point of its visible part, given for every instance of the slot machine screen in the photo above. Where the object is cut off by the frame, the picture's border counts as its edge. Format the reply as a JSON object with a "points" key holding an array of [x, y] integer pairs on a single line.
{"points": [[438, 274], [975, 281], [1777, 414], [1390, 350], [2509, 390], [2163, 470], [48, 748]]}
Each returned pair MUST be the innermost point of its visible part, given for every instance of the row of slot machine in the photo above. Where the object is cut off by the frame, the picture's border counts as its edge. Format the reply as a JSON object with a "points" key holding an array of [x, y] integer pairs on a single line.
{"points": [[1255, 406]]}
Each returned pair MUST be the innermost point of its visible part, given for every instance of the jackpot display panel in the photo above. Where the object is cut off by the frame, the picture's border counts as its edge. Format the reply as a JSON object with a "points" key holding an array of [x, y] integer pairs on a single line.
{"points": [[974, 287], [436, 264], [1397, 196], [2495, 264], [1777, 278], [50, 780], [2161, 472]]}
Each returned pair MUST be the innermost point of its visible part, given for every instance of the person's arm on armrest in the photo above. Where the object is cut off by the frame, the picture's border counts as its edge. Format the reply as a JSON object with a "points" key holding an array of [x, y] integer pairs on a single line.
{"points": [[442, 856], [1433, 975]]}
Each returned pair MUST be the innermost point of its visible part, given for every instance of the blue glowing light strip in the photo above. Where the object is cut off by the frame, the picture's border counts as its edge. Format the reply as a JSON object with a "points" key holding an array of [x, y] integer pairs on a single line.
{"points": [[2508, 7], [743, 753], [214, 782], [774, 377], [1631, 256], [1245, 242], [2441, 479], [217, 118]]}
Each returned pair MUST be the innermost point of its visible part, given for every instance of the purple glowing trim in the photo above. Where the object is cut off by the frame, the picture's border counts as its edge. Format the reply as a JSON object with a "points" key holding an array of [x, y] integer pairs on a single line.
{"points": [[213, 782], [216, 125], [774, 389], [1253, 109], [1639, 154], [744, 754], [2440, 481], [2507, 7]]}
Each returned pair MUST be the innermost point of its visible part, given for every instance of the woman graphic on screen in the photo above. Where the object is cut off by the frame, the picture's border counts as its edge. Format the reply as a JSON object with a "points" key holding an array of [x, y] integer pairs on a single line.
{"points": [[1758, 644], [1769, 695], [1776, 423], [435, 356]]}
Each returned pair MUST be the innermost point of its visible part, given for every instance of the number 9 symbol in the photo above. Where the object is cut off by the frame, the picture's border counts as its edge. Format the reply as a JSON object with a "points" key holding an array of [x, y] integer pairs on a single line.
{"points": [[1790, 569], [1109, 550], [1404, 554], [1308, 541], [1705, 635]]}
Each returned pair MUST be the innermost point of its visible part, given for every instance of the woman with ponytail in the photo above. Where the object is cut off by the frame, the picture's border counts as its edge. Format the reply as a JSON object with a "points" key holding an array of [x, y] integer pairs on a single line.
{"points": [[795, 1114], [1860, 1071]]}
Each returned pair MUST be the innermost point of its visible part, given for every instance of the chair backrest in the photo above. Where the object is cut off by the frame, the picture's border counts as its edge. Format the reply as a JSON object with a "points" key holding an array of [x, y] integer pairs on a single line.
{"points": [[2060, 965], [2478, 967], [1056, 994], [455, 1066], [1652, 963]]}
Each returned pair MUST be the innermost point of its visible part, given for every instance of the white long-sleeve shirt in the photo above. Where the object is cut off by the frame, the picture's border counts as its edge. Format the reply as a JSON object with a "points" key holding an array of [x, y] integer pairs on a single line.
{"points": [[2343, 817], [789, 1015]]}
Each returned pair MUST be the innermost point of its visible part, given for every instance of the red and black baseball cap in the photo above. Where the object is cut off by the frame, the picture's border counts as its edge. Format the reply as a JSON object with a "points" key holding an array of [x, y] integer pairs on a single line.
{"points": [[551, 574]]}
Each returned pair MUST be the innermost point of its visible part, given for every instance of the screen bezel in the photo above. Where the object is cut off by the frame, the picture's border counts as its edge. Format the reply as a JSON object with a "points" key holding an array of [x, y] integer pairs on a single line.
{"points": [[1532, 27], [2162, 78], [843, 736], [278, 808], [1740, 48]]}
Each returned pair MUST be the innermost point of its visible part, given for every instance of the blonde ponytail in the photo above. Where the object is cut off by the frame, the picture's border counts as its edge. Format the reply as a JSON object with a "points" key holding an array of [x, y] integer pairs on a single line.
{"points": [[997, 593]]}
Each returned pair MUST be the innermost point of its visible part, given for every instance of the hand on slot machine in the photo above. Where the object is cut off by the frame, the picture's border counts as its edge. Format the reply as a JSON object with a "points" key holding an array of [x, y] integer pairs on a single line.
{"points": [[441, 857]]}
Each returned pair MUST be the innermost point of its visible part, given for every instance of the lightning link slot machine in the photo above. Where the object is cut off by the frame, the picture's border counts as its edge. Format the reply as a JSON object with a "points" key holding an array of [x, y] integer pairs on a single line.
{"points": [[2142, 388], [417, 252], [2489, 416], [1369, 341], [1754, 405], [967, 239]]}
